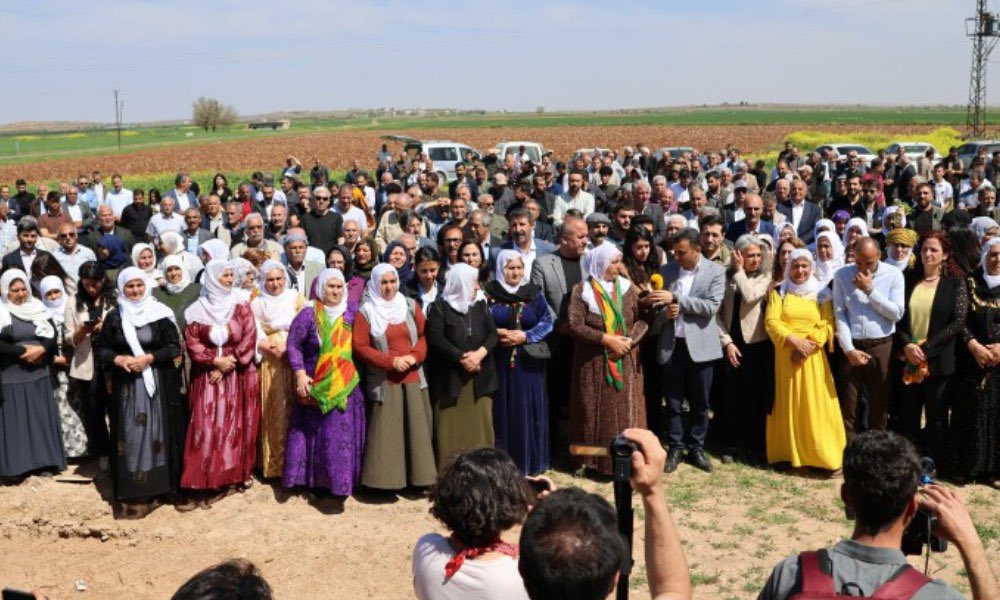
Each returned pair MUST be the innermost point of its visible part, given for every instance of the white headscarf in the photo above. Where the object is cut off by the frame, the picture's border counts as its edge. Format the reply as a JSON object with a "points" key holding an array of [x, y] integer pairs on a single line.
{"points": [[245, 271], [215, 249], [153, 275], [31, 310], [172, 242], [787, 225], [276, 312], [825, 269], [888, 212], [808, 288], [336, 311], [459, 282], [216, 304], [827, 223], [139, 313], [595, 265], [991, 280], [855, 222], [384, 312], [982, 225], [56, 308], [178, 261], [503, 258]]}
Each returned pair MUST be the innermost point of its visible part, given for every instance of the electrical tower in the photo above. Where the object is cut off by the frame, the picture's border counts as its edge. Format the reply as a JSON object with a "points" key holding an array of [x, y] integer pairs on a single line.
{"points": [[984, 29]]}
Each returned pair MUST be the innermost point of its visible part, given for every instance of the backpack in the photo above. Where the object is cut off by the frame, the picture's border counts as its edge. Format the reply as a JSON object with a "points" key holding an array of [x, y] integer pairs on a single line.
{"points": [[817, 581]]}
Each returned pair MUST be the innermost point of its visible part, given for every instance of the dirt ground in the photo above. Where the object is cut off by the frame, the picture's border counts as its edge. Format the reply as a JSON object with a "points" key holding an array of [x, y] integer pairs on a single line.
{"points": [[735, 524]]}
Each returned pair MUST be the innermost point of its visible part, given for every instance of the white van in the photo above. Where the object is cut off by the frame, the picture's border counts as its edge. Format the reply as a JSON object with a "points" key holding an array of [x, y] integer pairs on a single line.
{"points": [[445, 154]]}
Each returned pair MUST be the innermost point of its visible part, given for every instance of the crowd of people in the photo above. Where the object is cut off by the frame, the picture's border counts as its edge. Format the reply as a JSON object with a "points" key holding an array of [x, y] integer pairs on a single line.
{"points": [[328, 335]]}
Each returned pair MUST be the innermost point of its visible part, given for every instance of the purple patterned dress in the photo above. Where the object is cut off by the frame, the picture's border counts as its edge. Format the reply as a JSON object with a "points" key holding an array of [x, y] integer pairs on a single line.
{"points": [[323, 451]]}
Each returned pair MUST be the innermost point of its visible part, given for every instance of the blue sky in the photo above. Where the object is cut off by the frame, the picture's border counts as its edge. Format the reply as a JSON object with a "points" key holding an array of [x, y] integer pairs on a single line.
{"points": [[62, 59]]}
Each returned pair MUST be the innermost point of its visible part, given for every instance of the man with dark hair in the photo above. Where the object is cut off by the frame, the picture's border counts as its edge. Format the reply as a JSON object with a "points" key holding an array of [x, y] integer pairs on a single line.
{"points": [[182, 194], [237, 578], [53, 218], [522, 239], [571, 548], [26, 253], [689, 344], [24, 201], [881, 477], [713, 247], [925, 216], [622, 214], [852, 202]]}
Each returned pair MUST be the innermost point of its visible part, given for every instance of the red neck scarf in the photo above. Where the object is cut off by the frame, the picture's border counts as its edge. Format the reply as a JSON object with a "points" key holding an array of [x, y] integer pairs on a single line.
{"points": [[458, 560]]}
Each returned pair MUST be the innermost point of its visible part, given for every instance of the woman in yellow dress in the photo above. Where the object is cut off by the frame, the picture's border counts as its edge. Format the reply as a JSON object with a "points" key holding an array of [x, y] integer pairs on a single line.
{"points": [[274, 308], [805, 427]]}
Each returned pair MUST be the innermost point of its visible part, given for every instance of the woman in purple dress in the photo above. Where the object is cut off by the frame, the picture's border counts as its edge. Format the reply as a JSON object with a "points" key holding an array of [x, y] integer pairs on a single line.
{"points": [[326, 434], [520, 408]]}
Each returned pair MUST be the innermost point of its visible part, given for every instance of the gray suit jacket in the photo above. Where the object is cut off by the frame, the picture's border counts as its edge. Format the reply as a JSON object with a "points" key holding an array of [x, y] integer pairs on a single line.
{"points": [[547, 274], [698, 310]]}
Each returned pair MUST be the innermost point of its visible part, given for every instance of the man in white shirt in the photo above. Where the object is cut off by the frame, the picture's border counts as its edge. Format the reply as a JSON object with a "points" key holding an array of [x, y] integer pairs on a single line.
{"points": [[574, 197], [119, 197], [165, 220], [943, 190], [346, 209], [71, 254]]}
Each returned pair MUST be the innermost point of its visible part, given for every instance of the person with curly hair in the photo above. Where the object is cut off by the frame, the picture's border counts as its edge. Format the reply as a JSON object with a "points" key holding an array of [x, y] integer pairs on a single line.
{"points": [[478, 496]]}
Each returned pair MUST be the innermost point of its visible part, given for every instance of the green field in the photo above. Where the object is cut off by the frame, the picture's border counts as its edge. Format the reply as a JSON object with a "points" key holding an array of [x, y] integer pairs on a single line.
{"points": [[31, 147]]}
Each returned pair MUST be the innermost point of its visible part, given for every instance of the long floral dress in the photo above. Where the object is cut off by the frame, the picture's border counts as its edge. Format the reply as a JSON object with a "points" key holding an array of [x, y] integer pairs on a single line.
{"points": [[221, 444]]}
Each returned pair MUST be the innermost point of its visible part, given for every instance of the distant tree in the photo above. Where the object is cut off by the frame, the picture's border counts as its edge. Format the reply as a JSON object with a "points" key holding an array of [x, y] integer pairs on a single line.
{"points": [[209, 113], [539, 110]]}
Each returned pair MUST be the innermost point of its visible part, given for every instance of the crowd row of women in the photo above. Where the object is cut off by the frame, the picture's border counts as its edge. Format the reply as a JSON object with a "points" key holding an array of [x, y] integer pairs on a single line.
{"points": [[206, 382]]}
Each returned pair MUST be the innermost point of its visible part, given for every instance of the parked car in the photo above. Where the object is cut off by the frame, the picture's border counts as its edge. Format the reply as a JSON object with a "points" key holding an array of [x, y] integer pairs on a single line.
{"points": [[590, 152], [675, 151], [534, 150], [968, 151], [914, 150], [445, 154], [842, 149]]}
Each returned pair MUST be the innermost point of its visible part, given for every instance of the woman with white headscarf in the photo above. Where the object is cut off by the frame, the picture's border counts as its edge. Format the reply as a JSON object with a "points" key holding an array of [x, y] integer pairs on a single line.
{"points": [[326, 433], [245, 283], [829, 256], [30, 436], [463, 380], [138, 346], [805, 427], [973, 443], [144, 258], [71, 417], [273, 309], [606, 395], [523, 320], [856, 229], [389, 339], [178, 291], [172, 244], [224, 395]]}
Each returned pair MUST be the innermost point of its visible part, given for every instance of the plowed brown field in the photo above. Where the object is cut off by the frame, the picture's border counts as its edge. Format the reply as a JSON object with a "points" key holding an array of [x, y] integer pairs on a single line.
{"points": [[337, 149]]}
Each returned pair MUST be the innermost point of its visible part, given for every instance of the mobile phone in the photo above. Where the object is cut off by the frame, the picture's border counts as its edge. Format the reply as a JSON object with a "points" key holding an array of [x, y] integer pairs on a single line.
{"points": [[12, 594]]}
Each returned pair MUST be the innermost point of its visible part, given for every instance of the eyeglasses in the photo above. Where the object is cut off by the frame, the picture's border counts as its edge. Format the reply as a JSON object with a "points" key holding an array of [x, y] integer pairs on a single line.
{"points": [[66, 236]]}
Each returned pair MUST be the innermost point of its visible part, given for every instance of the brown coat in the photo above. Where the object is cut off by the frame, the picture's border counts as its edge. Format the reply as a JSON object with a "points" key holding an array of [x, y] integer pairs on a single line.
{"points": [[597, 412]]}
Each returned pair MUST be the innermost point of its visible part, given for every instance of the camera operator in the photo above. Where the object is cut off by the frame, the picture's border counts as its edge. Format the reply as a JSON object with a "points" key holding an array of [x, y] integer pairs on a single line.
{"points": [[881, 477], [571, 547]]}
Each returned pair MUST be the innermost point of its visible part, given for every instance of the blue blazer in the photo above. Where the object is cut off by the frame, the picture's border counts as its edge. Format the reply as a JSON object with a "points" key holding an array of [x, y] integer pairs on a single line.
{"points": [[738, 228]]}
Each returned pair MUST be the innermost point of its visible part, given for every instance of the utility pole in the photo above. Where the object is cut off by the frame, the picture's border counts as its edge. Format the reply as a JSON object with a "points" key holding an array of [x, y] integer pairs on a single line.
{"points": [[119, 109], [984, 30]]}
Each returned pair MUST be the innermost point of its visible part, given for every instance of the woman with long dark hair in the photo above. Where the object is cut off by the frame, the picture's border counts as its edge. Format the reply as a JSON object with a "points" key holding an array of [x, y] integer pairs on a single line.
{"points": [[641, 260], [220, 187], [937, 304], [426, 285], [95, 297], [365, 258]]}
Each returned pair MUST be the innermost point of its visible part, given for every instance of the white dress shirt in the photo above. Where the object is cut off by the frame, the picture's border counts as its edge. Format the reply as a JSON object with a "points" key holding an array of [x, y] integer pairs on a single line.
{"points": [[682, 287]]}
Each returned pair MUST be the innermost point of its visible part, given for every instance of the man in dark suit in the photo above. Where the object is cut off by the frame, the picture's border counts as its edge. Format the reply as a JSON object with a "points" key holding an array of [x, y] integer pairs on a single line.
{"points": [[643, 193], [193, 233], [106, 225], [545, 199], [521, 239], [688, 345], [753, 208], [542, 230], [26, 253], [800, 212], [555, 275]]}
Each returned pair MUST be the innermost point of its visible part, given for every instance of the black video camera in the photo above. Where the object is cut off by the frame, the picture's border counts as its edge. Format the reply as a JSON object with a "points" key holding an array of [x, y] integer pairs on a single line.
{"points": [[621, 468], [920, 530]]}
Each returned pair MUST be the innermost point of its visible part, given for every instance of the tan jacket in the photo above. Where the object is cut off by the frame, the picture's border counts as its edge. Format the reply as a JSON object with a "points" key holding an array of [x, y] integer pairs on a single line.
{"points": [[81, 365], [754, 291]]}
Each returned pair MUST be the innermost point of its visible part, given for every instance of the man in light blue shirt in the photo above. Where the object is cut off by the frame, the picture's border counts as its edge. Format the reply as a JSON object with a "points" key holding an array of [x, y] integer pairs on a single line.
{"points": [[868, 301]]}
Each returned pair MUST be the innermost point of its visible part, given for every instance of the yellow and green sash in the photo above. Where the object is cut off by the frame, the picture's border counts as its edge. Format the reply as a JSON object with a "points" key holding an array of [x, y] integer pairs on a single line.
{"points": [[614, 324], [335, 376]]}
